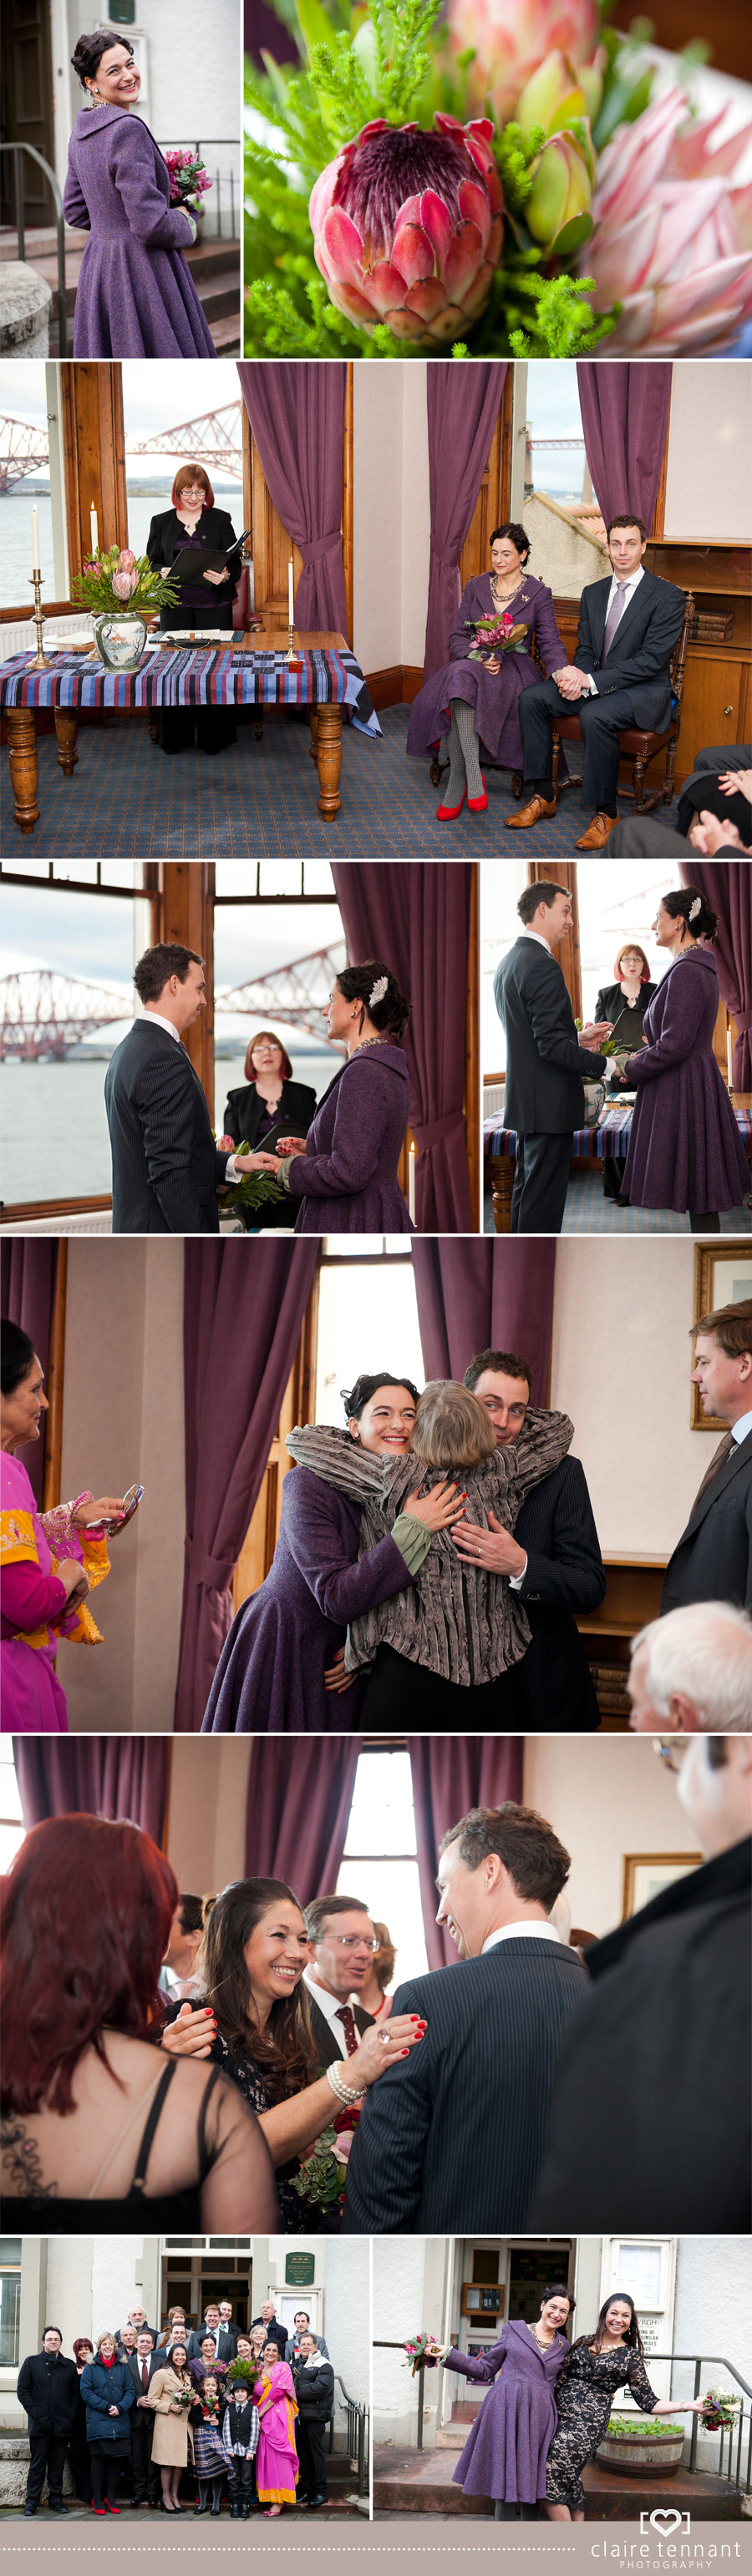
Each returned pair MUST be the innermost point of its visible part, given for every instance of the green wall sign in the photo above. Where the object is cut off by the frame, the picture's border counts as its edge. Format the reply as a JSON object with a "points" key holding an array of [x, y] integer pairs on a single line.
{"points": [[299, 2271]]}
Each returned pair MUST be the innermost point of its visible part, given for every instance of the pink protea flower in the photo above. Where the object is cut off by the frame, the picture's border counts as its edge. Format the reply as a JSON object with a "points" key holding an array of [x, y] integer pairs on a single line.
{"points": [[512, 37], [124, 583], [672, 239], [407, 227]]}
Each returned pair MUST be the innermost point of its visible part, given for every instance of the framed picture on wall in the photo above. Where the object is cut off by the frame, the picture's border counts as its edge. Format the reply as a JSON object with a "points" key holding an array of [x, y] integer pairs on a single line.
{"points": [[647, 1873], [723, 1275]]}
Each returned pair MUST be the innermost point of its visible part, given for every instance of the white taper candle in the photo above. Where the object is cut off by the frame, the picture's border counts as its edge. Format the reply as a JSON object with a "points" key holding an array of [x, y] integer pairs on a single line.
{"points": [[94, 531], [36, 566], [411, 1183], [289, 593]]}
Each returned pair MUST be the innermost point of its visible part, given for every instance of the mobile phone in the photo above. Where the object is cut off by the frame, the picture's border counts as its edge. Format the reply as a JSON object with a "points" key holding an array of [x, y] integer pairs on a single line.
{"points": [[131, 1500]]}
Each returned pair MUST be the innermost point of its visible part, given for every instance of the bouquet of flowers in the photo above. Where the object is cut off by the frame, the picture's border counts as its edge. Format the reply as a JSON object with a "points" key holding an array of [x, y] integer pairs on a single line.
{"points": [[240, 2371], [252, 1190], [189, 180], [184, 2396], [418, 2358], [485, 178], [496, 634], [322, 2179], [719, 2406], [118, 579]]}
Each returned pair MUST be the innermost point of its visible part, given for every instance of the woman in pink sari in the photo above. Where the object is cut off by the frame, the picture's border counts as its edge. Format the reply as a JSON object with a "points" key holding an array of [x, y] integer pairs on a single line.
{"points": [[49, 1561], [276, 2457]]}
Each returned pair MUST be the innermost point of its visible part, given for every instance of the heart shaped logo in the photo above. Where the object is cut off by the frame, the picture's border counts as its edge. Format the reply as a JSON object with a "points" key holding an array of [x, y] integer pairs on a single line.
{"points": [[665, 2519]]}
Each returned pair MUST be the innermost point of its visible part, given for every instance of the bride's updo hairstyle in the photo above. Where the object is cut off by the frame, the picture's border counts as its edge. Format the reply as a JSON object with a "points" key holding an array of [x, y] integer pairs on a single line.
{"points": [[365, 1386], [89, 50], [390, 1014], [451, 1428], [685, 903], [514, 530]]}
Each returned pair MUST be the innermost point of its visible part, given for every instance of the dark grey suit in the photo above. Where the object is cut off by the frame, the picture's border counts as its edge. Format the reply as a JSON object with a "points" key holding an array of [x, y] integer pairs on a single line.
{"points": [[564, 1573], [166, 1169], [712, 1560], [141, 2426], [451, 2138], [544, 1099], [225, 2339], [633, 685]]}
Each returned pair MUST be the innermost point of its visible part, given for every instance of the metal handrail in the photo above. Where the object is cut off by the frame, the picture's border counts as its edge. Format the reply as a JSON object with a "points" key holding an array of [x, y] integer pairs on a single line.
{"points": [[698, 2358], [357, 2434], [16, 149]]}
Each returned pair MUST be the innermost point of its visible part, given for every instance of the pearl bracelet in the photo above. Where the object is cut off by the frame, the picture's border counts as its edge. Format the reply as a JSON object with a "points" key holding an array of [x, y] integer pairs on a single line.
{"points": [[344, 2092]]}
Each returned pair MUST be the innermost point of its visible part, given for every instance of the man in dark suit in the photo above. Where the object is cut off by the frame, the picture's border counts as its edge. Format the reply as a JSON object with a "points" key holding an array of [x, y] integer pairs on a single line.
{"points": [[48, 2390], [342, 1942], [450, 2139], [225, 2339], [553, 1560], [166, 1168], [275, 2331], [313, 2380], [651, 2105], [712, 1560], [628, 629], [547, 1059], [142, 2365]]}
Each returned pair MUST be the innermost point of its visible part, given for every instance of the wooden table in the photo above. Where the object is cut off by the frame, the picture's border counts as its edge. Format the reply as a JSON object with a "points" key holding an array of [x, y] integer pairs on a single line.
{"points": [[328, 678], [589, 1144]]}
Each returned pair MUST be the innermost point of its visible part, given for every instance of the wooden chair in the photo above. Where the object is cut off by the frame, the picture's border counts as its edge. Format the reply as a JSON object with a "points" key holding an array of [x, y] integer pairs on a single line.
{"points": [[635, 742]]}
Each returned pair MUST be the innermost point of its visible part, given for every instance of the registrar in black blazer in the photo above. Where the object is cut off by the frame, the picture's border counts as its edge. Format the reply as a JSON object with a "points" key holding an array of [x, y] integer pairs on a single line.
{"points": [[166, 1168], [712, 1560], [450, 2140], [546, 1066], [564, 1573], [215, 529], [297, 1102]]}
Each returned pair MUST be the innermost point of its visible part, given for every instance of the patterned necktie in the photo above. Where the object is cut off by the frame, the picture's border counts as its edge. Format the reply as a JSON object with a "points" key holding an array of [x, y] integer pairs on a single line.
{"points": [[718, 1461], [614, 618], [346, 2015]]}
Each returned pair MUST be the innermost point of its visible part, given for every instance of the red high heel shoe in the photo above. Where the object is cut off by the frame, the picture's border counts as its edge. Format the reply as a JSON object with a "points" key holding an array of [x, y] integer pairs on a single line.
{"points": [[478, 804], [449, 813]]}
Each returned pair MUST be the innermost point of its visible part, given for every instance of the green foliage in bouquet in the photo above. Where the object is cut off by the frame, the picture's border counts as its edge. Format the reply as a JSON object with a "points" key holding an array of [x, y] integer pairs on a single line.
{"points": [[120, 583], [252, 1191], [321, 2180], [238, 2372], [361, 62]]}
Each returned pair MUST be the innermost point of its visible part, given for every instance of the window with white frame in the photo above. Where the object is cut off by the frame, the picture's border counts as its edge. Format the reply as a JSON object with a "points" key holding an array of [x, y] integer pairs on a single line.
{"points": [[380, 1864], [10, 2300]]}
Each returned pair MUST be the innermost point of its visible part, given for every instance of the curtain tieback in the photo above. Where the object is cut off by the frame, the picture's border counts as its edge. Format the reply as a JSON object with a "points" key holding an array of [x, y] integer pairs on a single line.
{"points": [[743, 1021], [448, 563], [214, 1571], [436, 1130], [312, 548]]}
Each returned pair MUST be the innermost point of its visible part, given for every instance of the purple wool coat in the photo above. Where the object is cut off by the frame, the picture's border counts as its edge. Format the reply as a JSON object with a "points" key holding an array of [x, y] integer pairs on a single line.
{"points": [[685, 1150], [346, 1180], [136, 297], [496, 697], [270, 1675], [506, 2449]]}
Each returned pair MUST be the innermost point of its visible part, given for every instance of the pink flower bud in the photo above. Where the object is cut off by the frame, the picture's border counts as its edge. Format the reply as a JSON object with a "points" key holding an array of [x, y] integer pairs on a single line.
{"points": [[511, 38], [558, 208]]}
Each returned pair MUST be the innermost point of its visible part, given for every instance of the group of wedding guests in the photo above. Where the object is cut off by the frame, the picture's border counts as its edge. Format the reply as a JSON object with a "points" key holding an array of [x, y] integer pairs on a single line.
{"points": [[339, 1176], [246, 2411]]}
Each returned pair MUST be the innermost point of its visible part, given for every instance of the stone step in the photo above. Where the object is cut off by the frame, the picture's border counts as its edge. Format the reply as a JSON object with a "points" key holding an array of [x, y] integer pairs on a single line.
{"points": [[408, 2481]]}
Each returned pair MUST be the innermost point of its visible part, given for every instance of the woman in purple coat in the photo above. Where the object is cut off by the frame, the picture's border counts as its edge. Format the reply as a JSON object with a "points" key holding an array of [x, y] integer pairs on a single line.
{"points": [[685, 1150], [344, 1172], [475, 697], [507, 2446], [136, 297], [282, 1667]]}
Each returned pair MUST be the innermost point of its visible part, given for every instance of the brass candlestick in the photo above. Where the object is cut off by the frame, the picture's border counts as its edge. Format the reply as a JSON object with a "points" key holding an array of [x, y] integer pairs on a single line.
{"points": [[39, 662], [292, 658]]}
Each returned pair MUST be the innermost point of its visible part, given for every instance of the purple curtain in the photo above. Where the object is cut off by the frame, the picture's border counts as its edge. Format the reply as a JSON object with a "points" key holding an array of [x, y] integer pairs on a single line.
{"points": [[727, 887], [96, 1775], [241, 1321], [298, 1811], [451, 1774], [463, 405], [297, 415], [418, 921], [482, 1296], [263, 32], [27, 1289], [625, 412]]}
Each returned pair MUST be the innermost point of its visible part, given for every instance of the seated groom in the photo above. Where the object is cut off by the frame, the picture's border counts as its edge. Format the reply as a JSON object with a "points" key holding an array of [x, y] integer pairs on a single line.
{"points": [[553, 1560], [621, 676], [450, 2139], [166, 1168]]}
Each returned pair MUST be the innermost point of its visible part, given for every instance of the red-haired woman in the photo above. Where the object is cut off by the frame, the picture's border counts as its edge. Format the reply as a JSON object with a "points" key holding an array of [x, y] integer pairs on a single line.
{"points": [[624, 1003], [266, 1105], [93, 2122], [205, 600]]}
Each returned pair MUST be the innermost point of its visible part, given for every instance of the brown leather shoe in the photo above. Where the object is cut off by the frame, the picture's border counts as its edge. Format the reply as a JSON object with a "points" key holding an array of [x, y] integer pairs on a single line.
{"points": [[530, 813], [597, 832]]}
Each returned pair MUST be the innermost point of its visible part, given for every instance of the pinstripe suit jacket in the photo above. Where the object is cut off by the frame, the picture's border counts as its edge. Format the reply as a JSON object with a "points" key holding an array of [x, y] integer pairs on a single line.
{"points": [[166, 1169], [545, 1063], [564, 1573], [450, 2138]]}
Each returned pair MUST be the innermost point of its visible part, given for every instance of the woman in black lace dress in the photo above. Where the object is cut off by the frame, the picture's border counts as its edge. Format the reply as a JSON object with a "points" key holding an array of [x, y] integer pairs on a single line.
{"points": [[585, 2390], [252, 2018]]}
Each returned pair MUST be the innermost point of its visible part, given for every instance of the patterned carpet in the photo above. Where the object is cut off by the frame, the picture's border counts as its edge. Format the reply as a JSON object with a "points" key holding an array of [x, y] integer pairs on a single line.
{"points": [[258, 800], [588, 1212]]}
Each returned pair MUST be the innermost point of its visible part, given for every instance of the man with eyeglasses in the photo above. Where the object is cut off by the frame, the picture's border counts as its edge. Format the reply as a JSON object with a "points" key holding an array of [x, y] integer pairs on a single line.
{"points": [[342, 1943], [651, 2118]]}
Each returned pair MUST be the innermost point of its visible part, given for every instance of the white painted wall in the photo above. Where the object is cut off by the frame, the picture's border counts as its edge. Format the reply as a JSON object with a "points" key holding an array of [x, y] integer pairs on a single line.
{"points": [[605, 1795], [708, 490], [205, 1838], [712, 2314], [391, 516], [620, 1368], [400, 2283]]}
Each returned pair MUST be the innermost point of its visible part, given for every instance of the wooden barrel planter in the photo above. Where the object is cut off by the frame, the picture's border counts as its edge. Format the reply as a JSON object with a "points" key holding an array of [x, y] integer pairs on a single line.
{"points": [[639, 2450]]}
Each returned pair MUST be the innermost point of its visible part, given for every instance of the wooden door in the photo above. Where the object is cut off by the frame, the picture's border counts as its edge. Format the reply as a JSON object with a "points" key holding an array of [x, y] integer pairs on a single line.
{"points": [[271, 545], [28, 109], [297, 1406]]}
